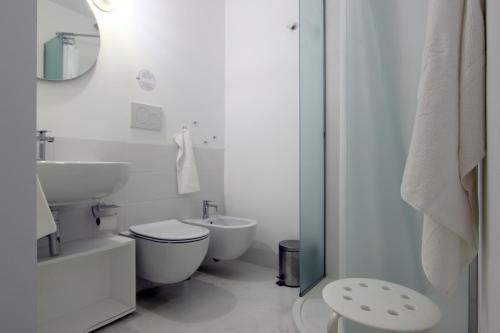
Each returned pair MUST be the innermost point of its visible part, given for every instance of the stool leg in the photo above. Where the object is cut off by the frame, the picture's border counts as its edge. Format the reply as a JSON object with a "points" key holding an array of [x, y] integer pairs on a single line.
{"points": [[332, 326]]}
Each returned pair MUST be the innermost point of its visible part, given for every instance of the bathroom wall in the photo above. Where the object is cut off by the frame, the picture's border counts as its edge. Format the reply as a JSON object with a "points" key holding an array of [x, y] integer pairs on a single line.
{"points": [[180, 41], [262, 121], [17, 169]]}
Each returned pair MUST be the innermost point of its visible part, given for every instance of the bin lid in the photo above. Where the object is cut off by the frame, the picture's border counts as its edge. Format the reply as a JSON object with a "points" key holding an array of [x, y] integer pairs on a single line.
{"points": [[290, 245]]}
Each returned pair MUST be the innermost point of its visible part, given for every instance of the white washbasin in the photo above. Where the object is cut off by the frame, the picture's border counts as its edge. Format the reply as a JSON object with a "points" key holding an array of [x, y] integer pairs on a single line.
{"points": [[72, 182]]}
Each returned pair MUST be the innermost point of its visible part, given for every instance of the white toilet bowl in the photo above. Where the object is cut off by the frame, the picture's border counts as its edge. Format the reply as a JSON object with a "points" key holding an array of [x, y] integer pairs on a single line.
{"points": [[169, 251]]}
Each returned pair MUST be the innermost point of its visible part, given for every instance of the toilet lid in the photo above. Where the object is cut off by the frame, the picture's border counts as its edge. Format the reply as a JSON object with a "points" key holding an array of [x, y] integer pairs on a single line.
{"points": [[171, 230]]}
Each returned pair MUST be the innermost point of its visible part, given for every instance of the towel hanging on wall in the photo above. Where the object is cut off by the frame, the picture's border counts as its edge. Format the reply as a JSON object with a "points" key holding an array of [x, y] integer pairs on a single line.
{"points": [[187, 172], [448, 141]]}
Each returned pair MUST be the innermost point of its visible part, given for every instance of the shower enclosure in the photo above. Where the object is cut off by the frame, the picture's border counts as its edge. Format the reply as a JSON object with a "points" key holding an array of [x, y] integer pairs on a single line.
{"points": [[381, 43], [382, 234]]}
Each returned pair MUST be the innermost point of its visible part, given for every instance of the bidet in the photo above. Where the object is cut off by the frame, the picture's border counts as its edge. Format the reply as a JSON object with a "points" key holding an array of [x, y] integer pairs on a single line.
{"points": [[230, 237]]}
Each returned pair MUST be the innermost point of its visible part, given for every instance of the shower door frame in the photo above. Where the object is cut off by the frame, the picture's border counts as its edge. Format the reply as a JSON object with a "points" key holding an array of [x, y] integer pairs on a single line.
{"points": [[304, 291]]}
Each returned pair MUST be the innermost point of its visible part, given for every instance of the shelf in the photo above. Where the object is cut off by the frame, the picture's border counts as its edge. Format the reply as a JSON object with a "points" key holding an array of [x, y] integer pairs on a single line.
{"points": [[88, 318], [85, 247], [91, 284]]}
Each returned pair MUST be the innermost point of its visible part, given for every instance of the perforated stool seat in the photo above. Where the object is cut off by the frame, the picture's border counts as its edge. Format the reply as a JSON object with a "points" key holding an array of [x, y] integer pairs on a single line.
{"points": [[381, 305]]}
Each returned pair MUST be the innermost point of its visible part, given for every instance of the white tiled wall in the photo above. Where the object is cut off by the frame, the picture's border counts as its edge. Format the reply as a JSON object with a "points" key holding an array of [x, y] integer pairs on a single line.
{"points": [[151, 192]]}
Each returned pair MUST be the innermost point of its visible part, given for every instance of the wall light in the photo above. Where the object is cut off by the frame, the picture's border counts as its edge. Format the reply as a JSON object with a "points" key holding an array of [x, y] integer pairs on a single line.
{"points": [[104, 5]]}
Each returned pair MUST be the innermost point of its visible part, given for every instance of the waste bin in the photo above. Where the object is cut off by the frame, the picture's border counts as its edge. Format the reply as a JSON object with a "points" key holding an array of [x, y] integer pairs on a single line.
{"points": [[289, 263]]}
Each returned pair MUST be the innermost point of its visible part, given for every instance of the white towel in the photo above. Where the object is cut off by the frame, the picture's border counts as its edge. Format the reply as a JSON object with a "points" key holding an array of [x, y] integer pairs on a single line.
{"points": [[71, 61], [45, 224], [187, 173], [448, 139]]}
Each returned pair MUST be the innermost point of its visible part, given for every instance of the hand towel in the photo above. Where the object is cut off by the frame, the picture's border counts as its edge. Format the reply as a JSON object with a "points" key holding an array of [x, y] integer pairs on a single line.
{"points": [[187, 173], [448, 139], [45, 224]]}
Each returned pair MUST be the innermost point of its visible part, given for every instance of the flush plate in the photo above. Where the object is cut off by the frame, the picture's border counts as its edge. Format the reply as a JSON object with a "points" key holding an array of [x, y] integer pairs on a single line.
{"points": [[146, 117]]}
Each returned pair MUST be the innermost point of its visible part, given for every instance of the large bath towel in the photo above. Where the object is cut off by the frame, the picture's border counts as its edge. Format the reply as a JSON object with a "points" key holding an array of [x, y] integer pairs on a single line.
{"points": [[448, 139]]}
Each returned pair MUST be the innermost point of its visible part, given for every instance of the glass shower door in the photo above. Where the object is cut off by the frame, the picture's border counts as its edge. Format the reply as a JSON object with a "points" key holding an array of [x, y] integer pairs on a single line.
{"points": [[383, 234], [312, 173]]}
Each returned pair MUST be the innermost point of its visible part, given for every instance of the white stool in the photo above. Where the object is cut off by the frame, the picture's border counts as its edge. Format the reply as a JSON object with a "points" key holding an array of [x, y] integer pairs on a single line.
{"points": [[379, 304]]}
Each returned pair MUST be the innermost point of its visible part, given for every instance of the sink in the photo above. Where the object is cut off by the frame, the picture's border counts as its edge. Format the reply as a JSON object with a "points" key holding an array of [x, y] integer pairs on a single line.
{"points": [[73, 182]]}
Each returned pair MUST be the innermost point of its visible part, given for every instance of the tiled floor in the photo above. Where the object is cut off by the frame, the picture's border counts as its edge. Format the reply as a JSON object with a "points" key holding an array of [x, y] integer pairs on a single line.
{"points": [[225, 297]]}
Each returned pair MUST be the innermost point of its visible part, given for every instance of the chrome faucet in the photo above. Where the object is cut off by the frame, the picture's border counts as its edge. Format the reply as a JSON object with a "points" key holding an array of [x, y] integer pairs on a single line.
{"points": [[42, 140], [206, 206]]}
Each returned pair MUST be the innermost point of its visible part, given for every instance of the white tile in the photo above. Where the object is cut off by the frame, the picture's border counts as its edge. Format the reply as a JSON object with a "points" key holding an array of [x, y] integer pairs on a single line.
{"points": [[144, 212], [210, 159], [67, 149], [71, 149], [150, 158], [152, 211], [212, 182], [149, 186]]}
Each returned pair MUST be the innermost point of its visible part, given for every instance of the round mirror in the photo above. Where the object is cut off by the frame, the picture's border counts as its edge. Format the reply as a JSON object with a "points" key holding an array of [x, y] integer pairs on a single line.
{"points": [[68, 39]]}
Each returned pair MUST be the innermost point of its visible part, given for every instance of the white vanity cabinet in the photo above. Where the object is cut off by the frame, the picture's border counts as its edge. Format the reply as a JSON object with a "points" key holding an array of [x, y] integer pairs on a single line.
{"points": [[91, 284]]}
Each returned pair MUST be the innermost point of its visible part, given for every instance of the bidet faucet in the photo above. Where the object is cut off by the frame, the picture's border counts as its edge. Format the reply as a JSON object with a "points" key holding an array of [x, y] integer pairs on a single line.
{"points": [[42, 140], [206, 206]]}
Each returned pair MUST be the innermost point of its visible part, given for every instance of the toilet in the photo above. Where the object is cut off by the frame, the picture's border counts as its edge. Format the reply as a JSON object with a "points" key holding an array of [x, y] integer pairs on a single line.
{"points": [[169, 251]]}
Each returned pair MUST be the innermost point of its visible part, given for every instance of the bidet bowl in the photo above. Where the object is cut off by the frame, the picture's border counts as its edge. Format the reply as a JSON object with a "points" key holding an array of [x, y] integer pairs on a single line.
{"points": [[230, 237]]}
